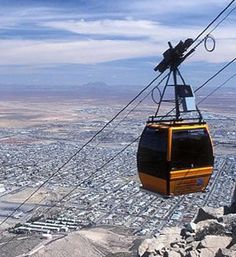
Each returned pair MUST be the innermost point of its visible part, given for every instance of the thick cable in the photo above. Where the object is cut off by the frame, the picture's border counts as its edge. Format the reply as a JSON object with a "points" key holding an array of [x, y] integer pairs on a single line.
{"points": [[217, 88], [215, 27], [216, 18], [216, 74]]}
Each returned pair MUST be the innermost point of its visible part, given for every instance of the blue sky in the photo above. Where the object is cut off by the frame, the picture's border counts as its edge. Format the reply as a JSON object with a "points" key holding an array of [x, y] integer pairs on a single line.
{"points": [[119, 42]]}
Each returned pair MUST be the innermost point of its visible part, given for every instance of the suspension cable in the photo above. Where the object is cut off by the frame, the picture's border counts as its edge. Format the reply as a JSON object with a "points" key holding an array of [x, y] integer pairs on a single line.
{"points": [[217, 88], [216, 18]]}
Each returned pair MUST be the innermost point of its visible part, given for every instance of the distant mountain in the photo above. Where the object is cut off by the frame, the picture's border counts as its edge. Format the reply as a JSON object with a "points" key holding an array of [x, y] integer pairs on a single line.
{"points": [[96, 84], [92, 90]]}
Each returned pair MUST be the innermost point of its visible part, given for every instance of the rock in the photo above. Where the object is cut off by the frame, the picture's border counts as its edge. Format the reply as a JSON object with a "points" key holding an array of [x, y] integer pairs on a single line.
{"points": [[215, 242], [144, 246], [189, 239], [211, 234], [164, 240], [230, 222], [146, 254], [195, 244], [173, 254], [150, 246], [233, 208], [207, 253], [227, 210], [178, 244], [181, 252], [165, 254], [209, 227], [191, 227], [232, 245], [192, 254], [225, 253], [207, 213], [174, 244], [233, 203], [183, 232], [173, 232], [186, 233], [188, 248], [152, 255]]}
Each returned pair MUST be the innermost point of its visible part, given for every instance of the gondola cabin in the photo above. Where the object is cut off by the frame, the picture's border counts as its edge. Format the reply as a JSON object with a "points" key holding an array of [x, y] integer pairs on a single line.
{"points": [[175, 153], [175, 159]]}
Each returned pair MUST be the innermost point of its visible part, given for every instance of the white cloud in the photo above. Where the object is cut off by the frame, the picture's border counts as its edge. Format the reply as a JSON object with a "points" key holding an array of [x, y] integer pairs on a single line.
{"points": [[14, 52], [224, 52], [134, 28], [23, 52], [144, 38], [125, 28]]}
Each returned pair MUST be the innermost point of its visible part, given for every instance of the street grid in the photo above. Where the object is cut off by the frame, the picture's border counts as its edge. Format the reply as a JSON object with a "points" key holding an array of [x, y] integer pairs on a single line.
{"points": [[113, 196]]}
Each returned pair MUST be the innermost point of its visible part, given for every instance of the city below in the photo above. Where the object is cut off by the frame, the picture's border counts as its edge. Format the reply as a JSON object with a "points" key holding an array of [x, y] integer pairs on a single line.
{"points": [[85, 193]]}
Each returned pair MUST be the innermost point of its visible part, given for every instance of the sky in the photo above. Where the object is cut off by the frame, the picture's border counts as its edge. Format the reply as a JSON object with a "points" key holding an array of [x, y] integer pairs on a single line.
{"points": [[60, 43]]}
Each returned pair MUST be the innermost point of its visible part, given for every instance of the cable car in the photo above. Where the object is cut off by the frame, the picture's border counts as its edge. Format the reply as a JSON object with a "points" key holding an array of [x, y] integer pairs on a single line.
{"points": [[175, 159], [175, 153]]}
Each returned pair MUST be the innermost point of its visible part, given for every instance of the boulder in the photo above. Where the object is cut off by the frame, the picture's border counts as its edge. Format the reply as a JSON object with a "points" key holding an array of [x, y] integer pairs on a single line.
{"points": [[195, 244], [209, 227], [232, 245], [225, 253], [212, 233], [206, 213], [207, 253], [162, 241], [230, 222], [215, 242], [149, 246]]}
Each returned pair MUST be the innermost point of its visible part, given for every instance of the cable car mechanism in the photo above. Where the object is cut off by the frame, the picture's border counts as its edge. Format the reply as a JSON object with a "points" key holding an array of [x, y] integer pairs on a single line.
{"points": [[175, 153]]}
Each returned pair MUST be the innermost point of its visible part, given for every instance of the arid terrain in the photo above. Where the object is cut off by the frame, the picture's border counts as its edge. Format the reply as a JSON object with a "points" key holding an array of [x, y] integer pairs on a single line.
{"points": [[40, 134]]}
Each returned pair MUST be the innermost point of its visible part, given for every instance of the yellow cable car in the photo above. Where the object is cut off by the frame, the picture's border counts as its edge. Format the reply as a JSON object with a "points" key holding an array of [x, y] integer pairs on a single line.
{"points": [[175, 159], [175, 153]]}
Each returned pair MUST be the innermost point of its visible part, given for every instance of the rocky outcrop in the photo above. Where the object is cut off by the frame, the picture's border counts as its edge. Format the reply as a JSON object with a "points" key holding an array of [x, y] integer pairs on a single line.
{"points": [[207, 213], [212, 233]]}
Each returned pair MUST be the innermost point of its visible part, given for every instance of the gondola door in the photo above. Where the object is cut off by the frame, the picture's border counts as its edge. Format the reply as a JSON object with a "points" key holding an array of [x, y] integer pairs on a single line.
{"points": [[191, 159]]}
